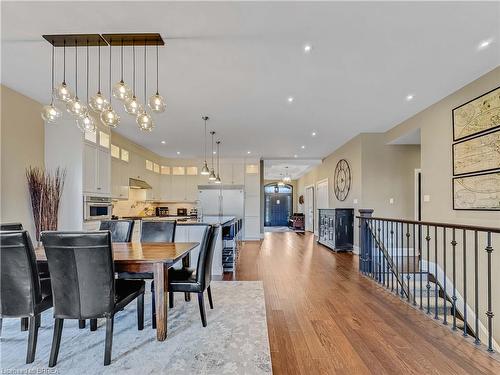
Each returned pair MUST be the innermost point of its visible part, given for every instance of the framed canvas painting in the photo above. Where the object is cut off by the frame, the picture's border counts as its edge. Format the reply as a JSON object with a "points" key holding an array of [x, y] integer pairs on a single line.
{"points": [[478, 192], [477, 116], [479, 154]]}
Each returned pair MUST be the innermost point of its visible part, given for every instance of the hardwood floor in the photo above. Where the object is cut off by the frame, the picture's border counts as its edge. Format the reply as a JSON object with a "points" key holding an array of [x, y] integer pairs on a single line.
{"points": [[325, 318]]}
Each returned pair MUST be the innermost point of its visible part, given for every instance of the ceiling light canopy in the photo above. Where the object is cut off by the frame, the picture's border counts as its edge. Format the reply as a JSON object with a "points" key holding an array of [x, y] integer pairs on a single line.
{"points": [[290, 99], [307, 48], [409, 97], [484, 44]]}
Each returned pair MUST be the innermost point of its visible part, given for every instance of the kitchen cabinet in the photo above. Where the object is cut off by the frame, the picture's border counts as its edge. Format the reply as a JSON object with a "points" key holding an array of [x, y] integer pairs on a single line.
{"points": [[232, 174], [191, 189], [119, 179], [165, 187], [96, 170], [154, 180], [178, 189]]}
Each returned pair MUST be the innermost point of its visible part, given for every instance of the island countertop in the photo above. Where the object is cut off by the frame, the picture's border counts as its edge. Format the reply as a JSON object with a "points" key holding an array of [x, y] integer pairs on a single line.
{"points": [[207, 219]]}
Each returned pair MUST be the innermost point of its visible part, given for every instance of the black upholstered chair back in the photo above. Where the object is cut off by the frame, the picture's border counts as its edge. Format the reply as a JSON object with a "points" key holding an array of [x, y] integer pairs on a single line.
{"points": [[82, 273], [121, 230], [204, 266], [19, 283], [158, 231], [11, 226]]}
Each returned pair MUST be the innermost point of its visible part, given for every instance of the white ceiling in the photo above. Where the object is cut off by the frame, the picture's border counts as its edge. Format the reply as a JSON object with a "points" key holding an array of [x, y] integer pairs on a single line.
{"points": [[277, 169], [238, 63]]}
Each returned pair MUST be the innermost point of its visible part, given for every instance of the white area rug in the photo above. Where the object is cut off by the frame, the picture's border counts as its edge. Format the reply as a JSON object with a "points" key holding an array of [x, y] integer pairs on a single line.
{"points": [[234, 342]]}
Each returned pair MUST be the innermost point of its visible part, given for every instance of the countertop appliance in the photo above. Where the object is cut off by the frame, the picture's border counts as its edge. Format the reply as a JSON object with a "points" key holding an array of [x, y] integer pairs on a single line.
{"points": [[162, 211], [193, 211], [97, 208], [182, 212]]}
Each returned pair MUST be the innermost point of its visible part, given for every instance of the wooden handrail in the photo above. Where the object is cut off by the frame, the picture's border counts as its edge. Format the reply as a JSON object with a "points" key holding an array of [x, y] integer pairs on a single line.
{"points": [[435, 224]]}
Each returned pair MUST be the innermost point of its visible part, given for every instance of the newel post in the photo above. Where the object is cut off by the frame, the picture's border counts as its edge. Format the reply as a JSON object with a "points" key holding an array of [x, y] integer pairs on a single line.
{"points": [[365, 241]]}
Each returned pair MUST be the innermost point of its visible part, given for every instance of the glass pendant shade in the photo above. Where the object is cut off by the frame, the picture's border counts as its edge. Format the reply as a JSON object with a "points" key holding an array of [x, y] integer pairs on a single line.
{"points": [[218, 180], [50, 113], [86, 124], [122, 91], [133, 107], [98, 103], [145, 121], [110, 118], [212, 176], [63, 92], [157, 103], [77, 108], [205, 171]]}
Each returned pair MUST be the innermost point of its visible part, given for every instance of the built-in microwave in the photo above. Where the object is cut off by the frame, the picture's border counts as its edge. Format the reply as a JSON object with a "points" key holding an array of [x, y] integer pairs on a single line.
{"points": [[97, 208]]}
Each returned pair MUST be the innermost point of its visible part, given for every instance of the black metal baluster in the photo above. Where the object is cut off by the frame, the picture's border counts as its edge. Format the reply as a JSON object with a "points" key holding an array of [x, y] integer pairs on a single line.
{"points": [[408, 259], [436, 273], [387, 262], [428, 286], [476, 288], [489, 313], [464, 247], [414, 271], [397, 260], [420, 262], [445, 320], [454, 297], [402, 261], [379, 254], [392, 256]]}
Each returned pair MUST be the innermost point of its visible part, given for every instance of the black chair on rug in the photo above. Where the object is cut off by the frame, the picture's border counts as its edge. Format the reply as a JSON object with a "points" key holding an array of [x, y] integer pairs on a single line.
{"points": [[186, 281], [23, 293], [121, 230], [84, 285]]}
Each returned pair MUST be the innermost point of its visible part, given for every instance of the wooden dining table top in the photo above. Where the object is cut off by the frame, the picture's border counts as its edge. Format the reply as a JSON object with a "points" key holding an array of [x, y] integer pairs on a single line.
{"points": [[142, 252]]}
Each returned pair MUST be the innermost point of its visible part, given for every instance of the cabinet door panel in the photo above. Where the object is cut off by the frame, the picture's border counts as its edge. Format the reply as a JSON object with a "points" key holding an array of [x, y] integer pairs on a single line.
{"points": [[103, 172], [89, 168], [178, 188], [238, 174]]}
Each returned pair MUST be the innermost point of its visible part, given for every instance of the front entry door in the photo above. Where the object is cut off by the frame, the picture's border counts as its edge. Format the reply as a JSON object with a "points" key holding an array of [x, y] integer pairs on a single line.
{"points": [[278, 205]]}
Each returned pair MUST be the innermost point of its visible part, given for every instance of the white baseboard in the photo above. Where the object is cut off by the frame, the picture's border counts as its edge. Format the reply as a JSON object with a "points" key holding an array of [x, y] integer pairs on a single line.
{"points": [[355, 249]]}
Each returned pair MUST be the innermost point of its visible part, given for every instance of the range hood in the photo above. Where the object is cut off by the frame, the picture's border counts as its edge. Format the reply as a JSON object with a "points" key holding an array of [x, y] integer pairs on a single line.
{"points": [[135, 183]]}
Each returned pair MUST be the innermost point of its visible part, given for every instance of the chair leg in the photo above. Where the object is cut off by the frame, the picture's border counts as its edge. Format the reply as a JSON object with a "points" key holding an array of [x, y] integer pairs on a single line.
{"points": [[93, 324], [153, 306], [81, 323], [56, 341], [32, 337], [38, 320], [24, 324], [201, 303], [140, 312], [209, 292], [171, 300], [109, 340], [187, 296]]}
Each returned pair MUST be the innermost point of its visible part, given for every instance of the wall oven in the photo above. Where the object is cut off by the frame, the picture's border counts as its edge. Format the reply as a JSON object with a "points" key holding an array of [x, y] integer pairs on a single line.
{"points": [[97, 208]]}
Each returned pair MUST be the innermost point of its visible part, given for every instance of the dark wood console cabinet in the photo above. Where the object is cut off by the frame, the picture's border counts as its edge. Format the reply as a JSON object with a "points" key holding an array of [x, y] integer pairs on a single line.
{"points": [[336, 228]]}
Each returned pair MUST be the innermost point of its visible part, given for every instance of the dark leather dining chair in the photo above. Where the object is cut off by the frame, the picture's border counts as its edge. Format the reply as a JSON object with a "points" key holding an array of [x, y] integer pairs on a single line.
{"points": [[23, 293], [182, 281], [11, 226], [83, 283], [121, 230]]}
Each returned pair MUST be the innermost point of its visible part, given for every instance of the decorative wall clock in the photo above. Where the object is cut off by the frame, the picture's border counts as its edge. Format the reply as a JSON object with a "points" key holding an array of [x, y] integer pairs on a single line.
{"points": [[342, 180]]}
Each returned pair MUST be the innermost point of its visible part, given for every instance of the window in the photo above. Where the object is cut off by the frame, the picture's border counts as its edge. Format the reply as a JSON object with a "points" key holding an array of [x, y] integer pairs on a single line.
{"points": [[104, 139], [165, 169], [178, 171], [252, 169], [149, 165], [115, 151], [192, 171], [124, 155], [278, 189], [156, 168], [91, 136]]}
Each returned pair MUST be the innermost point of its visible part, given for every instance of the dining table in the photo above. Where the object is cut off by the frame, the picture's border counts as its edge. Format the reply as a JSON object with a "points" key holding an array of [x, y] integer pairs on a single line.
{"points": [[154, 257]]}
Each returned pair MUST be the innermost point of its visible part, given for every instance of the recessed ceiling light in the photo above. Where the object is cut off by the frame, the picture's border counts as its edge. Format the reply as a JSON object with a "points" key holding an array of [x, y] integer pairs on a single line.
{"points": [[163, 142], [307, 48], [290, 99], [484, 44], [178, 152], [409, 97], [295, 156], [313, 134], [214, 152], [249, 152], [302, 147]]}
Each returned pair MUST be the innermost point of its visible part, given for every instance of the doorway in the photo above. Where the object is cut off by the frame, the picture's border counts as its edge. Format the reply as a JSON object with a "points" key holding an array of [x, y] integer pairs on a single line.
{"points": [[278, 203], [309, 208]]}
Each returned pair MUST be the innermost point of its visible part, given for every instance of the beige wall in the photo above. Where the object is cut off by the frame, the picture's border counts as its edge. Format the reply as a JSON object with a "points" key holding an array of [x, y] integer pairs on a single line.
{"points": [[22, 145]]}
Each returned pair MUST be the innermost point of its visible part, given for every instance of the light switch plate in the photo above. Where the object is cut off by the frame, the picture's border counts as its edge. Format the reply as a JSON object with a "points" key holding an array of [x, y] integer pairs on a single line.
{"points": [[427, 198], [391, 201], [354, 201]]}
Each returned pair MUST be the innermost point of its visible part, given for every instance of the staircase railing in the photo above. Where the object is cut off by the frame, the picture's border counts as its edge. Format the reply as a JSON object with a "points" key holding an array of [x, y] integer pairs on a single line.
{"points": [[435, 259]]}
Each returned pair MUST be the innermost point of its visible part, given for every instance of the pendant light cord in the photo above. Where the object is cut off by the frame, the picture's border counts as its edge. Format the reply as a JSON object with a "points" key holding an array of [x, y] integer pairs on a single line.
{"points": [[218, 165], [52, 76], [110, 72], [205, 145], [64, 62], [99, 68], [145, 95], [212, 133], [133, 66], [87, 71], [76, 69], [121, 52], [157, 70]]}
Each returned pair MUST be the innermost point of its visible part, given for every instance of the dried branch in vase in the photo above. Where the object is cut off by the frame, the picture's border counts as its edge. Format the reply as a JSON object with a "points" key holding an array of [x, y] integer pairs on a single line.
{"points": [[45, 191]]}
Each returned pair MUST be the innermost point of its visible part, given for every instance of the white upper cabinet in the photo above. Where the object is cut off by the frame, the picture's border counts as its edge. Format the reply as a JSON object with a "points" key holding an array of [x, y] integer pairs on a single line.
{"points": [[103, 172], [119, 179], [96, 170], [89, 168]]}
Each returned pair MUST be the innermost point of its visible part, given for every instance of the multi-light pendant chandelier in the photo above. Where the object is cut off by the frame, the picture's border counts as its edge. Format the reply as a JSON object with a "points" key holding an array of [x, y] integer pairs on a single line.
{"points": [[120, 91]]}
